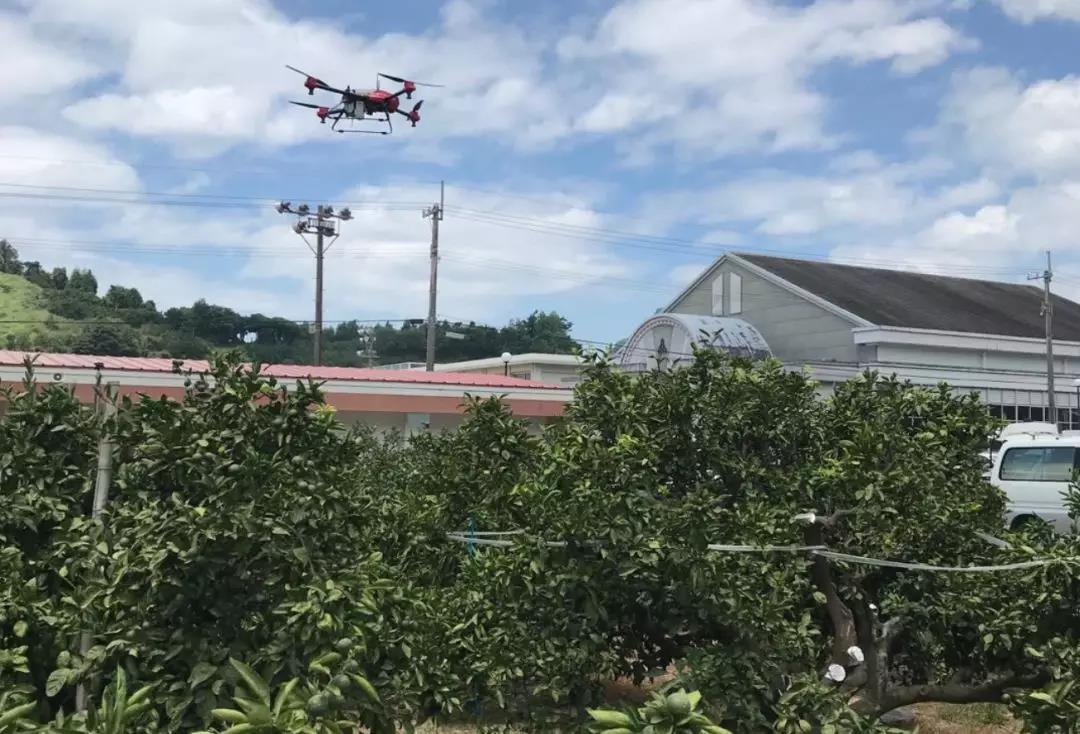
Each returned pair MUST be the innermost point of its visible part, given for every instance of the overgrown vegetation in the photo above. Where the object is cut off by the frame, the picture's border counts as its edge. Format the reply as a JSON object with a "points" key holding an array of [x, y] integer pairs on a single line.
{"points": [[62, 312], [258, 566]]}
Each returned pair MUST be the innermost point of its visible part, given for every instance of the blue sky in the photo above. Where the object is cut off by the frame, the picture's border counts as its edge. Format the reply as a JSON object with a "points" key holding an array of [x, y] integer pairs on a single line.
{"points": [[597, 154]]}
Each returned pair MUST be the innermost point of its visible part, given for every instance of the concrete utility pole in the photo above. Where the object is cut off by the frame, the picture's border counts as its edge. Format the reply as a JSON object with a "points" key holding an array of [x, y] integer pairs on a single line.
{"points": [[102, 482], [322, 224], [435, 211], [1048, 313]]}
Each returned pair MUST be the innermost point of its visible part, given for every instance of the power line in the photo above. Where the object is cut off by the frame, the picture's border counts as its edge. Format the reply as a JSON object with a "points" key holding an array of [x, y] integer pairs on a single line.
{"points": [[192, 195], [682, 246], [658, 243]]}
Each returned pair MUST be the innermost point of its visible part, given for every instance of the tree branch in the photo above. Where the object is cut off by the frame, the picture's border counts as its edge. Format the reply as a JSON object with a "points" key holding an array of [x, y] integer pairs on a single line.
{"points": [[988, 692], [831, 521], [843, 623]]}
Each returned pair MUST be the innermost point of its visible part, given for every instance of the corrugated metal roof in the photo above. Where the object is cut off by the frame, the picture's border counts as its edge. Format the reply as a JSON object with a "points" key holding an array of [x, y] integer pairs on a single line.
{"points": [[46, 360], [923, 301]]}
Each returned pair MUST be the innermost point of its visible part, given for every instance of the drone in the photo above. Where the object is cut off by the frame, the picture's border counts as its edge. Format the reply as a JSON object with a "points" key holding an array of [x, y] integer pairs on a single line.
{"points": [[363, 105]]}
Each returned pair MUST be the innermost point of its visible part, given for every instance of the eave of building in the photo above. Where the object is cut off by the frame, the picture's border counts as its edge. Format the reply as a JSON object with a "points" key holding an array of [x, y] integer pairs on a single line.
{"points": [[346, 395], [876, 335], [537, 358]]}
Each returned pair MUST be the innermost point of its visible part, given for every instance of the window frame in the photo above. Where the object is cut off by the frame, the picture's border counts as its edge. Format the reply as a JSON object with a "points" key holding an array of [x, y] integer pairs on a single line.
{"points": [[735, 294], [718, 295], [1042, 463]]}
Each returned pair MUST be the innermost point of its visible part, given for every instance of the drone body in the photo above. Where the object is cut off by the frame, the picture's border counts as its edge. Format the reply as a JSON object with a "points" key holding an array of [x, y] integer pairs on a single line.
{"points": [[363, 105]]}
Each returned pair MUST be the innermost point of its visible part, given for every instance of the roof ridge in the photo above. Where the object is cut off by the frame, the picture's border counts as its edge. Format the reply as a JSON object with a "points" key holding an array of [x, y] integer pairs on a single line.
{"points": [[752, 256]]}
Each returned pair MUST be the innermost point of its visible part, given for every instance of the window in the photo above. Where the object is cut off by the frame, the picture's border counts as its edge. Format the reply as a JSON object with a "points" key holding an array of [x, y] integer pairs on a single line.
{"points": [[736, 293], [1048, 464], [718, 295], [526, 375]]}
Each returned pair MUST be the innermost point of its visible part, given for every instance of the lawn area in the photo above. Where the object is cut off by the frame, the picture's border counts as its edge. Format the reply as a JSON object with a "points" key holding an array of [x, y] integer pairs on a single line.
{"points": [[22, 319]]}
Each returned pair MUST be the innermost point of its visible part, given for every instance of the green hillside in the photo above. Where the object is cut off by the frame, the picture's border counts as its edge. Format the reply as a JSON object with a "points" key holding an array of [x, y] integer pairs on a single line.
{"points": [[61, 311], [24, 322]]}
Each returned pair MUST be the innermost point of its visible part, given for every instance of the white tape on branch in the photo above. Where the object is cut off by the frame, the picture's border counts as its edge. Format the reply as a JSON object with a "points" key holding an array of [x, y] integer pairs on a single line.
{"points": [[863, 560]]}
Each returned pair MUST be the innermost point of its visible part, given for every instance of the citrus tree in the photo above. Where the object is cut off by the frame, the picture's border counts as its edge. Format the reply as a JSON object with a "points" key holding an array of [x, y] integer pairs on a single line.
{"points": [[258, 565]]}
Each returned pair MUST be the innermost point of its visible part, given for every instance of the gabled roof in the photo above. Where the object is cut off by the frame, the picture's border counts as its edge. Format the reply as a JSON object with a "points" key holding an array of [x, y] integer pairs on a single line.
{"points": [[282, 371], [922, 301], [910, 300]]}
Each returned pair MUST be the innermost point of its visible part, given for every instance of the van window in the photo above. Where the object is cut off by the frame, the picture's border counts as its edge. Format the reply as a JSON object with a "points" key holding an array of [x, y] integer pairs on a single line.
{"points": [[1038, 464]]}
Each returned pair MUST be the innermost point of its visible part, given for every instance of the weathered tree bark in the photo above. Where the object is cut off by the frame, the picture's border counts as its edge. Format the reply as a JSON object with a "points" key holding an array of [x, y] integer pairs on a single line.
{"points": [[843, 623], [988, 692]]}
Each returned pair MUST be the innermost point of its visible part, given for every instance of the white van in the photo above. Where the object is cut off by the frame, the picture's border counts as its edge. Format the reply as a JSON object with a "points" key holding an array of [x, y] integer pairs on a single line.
{"points": [[1034, 471]]}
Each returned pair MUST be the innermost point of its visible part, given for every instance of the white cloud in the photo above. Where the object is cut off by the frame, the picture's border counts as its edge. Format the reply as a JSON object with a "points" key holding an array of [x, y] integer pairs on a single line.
{"points": [[719, 76], [1009, 237], [205, 75], [861, 193], [1029, 11], [484, 268], [1032, 129], [378, 268], [32, 158], [32, 65]]}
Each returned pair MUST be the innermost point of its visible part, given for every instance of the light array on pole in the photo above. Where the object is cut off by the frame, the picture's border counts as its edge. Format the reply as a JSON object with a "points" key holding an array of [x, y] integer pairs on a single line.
{"points": [[322, 223]]}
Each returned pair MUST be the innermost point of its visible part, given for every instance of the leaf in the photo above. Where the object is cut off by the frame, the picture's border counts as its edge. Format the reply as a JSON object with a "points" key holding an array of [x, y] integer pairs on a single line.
{"points": [[201, 673], [56, 681], [230, 715], [19, 712], [367, 688], [253, 681], [20, 629]]}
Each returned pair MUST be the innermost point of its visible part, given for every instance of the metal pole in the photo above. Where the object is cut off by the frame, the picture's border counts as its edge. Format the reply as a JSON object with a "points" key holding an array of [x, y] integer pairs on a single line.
{"points": [[436, 214], [1048, 312], [318, 289], [102, 482]]}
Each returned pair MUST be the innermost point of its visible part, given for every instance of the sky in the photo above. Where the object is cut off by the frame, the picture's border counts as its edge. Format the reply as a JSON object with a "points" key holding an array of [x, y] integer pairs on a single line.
{"points": [[597, 155]]}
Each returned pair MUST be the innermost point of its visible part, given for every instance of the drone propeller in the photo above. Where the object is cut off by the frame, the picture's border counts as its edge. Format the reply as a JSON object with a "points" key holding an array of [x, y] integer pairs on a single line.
{"points": [[321, 110], [312, 83], [400, 80], [413, 114]]}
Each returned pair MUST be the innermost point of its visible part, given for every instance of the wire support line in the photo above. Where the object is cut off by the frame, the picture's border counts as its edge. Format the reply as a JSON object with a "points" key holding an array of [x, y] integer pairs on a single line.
{"points": [[812, 550]]}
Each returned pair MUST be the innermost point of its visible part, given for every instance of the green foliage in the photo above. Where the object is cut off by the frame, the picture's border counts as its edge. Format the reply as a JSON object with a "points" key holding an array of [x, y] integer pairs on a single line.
{"points": [[83, 281], [9, 259], [245, 524], [119, 340], [674, 713]]}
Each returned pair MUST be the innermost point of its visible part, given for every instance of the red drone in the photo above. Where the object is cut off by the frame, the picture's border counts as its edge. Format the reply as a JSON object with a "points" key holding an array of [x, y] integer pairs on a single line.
{"points": [[364, 105]]}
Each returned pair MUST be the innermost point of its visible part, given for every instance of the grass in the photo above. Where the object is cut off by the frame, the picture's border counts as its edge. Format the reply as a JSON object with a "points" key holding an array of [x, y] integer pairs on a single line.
{"points": [[934, 718], [977, 718], [23, 322]]}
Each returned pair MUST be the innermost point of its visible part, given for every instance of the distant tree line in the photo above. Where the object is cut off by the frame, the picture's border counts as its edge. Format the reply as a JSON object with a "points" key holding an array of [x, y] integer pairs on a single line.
{"points": [[123, 323]]}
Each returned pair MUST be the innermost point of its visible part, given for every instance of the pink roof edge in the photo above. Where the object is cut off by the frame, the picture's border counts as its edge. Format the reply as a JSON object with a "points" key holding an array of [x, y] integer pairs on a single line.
{"points": [[287, 371]]}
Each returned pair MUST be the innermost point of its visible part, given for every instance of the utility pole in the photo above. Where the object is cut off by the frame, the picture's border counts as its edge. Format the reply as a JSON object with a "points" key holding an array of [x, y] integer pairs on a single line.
{"points": [[322, 224], [102, 482], [435, 211], [1048, 313]]}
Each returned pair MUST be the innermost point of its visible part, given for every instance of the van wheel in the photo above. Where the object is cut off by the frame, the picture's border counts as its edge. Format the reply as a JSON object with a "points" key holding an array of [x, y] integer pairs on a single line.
{"points": [[1023, 521]]}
